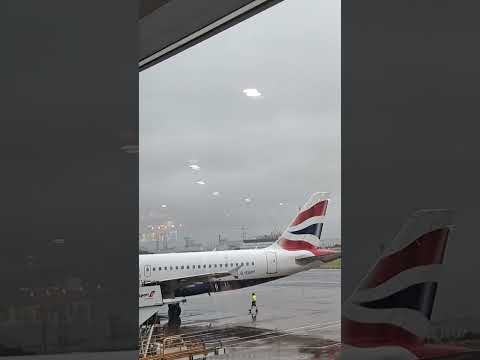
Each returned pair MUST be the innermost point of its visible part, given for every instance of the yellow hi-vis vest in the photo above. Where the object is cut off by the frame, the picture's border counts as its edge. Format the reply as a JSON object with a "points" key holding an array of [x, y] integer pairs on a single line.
{"points": [[254, 297]]}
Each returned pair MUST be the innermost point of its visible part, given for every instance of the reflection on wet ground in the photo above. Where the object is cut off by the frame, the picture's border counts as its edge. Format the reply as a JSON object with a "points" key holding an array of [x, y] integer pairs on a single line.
{"points": [[298, 318]]}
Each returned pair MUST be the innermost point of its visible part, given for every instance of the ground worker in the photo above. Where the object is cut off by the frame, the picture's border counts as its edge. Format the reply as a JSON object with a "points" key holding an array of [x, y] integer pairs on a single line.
{"points": [[253, 309], [254, 300]]}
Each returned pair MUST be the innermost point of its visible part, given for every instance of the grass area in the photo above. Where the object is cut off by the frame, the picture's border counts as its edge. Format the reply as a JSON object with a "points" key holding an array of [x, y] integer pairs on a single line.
{"points": [[337, 264]]}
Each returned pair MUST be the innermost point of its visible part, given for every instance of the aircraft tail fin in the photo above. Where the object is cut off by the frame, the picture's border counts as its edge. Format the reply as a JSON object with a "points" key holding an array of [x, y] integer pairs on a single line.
{"points": [[305, 229], [393, 304]]}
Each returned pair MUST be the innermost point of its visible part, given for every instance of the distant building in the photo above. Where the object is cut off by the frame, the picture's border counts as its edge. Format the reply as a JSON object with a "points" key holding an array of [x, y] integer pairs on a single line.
{"points": [[159, 238], [191, 245], [261, 241], [334, 243], [267, 240]]}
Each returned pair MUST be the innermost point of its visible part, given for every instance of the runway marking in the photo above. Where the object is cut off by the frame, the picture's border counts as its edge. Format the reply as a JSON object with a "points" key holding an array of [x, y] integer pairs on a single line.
{"points": [[233, 341], [337, 343], [286, 332], [267, 317]]}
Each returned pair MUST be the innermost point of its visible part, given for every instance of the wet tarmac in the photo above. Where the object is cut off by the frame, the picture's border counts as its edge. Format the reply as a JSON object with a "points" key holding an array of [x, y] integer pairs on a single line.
{"points": [[298, 318]]}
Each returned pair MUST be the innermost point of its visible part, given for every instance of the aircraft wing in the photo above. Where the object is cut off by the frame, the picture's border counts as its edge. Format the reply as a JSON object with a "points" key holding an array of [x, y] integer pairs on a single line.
{"points": [[188, 280], [170, 285]]}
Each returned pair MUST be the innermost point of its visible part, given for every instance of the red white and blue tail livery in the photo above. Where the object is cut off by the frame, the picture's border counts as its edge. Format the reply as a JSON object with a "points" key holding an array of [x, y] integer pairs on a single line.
{"points": [[304, 232], [388, 315]]}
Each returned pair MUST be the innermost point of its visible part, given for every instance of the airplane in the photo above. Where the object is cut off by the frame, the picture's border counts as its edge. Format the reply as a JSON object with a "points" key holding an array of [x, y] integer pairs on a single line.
{"points": [[168, 279], [388, 315]]}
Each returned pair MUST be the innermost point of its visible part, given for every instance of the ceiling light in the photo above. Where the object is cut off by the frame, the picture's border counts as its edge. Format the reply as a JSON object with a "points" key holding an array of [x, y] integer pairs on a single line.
{"points": [[194, 167], [252, 92], [200, 182], [215, 193], [247, 200], [164, 206]]}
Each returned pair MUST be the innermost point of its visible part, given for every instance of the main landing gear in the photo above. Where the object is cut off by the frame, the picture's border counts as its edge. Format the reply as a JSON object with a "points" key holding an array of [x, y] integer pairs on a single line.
{"points": [[174, 312]]}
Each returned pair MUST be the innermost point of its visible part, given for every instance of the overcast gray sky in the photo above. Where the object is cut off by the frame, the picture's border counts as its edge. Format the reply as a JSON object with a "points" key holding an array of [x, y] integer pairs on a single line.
{"points": [[278, 148]]}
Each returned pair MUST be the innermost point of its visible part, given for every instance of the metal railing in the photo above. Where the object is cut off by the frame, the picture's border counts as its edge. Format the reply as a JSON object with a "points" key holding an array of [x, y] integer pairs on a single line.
{"points": [[159, 346]]}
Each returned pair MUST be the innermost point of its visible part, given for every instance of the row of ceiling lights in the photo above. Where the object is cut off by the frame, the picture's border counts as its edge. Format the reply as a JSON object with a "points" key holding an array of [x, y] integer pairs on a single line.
{"points": [[194, 166]]}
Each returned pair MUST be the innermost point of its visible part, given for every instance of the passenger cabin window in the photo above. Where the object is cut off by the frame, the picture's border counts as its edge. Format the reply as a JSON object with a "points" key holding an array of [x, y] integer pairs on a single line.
{"points": [[193, 266], [165, 268], [176, 267], [209, 265], [188, 267], [182, 267]]}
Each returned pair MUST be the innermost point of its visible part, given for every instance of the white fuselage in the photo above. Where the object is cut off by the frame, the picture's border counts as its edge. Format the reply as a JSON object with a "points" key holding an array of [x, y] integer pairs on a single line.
{"points": [[246, 267]]}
